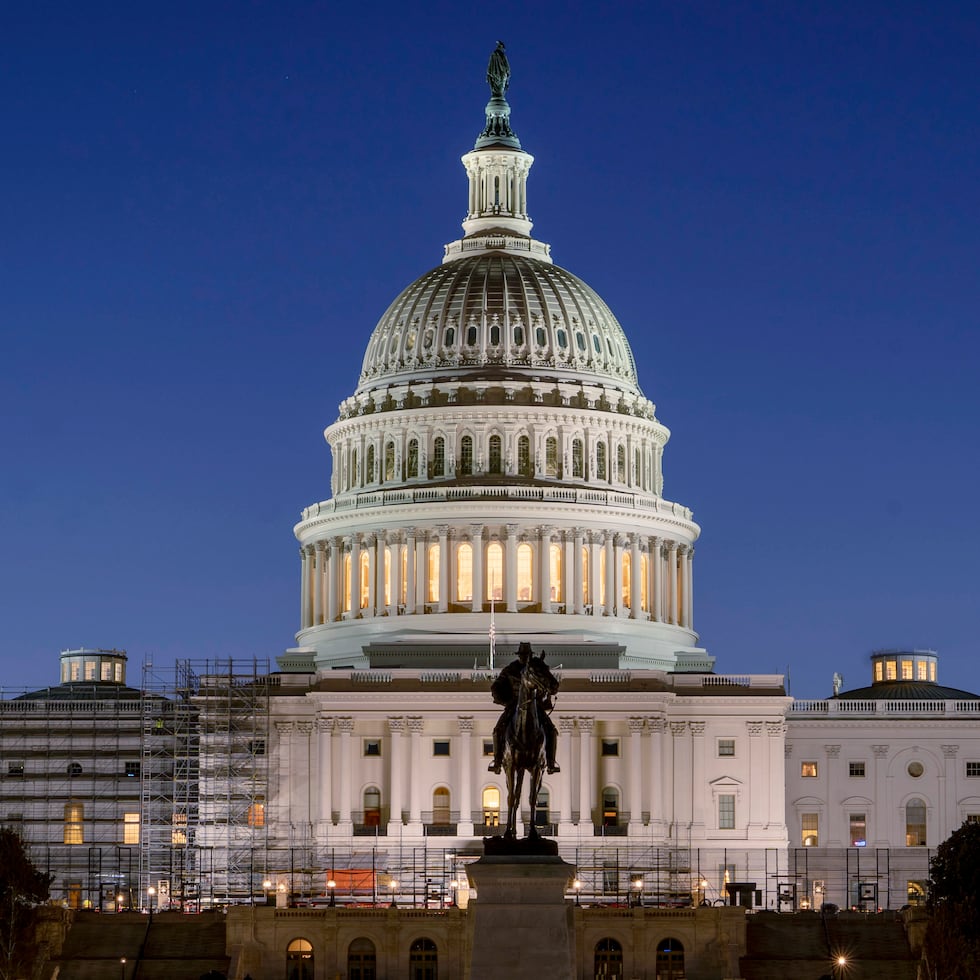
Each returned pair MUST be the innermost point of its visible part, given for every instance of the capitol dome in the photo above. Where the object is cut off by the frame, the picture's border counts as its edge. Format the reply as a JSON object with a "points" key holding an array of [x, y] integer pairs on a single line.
{"points": [[497, 464]]}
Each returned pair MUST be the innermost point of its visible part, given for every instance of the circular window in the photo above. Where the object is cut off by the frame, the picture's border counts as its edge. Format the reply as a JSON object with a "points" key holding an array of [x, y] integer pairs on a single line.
{"points": [[74, 769], [915, 769]]}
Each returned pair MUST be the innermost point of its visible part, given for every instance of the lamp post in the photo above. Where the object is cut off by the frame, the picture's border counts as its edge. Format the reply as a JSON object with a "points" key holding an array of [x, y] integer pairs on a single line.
{"points": [[840, 965], [332, 889], [638, 889], [393, 885], [122, 969], [266, 885], [577, 887], [120, 898], [150, 892]]}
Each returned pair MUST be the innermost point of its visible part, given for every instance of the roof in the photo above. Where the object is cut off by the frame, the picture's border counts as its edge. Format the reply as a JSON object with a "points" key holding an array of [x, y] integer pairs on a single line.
{"points": [[906, 691]]}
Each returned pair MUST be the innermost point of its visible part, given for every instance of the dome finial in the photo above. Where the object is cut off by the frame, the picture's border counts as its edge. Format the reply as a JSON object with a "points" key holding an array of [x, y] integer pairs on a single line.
{"points": [[497, 131]]}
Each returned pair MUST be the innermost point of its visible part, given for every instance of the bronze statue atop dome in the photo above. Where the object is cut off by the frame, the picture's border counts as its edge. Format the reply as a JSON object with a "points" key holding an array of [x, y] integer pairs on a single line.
{"points": [[498, 72]]}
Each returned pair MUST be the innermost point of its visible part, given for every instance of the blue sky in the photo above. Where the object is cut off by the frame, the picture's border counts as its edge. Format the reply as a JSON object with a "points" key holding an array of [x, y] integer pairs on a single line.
{"points": [[205, 208]]}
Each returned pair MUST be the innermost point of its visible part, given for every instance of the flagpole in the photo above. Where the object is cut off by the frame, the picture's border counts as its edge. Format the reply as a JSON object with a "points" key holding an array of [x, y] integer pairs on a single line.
{"points": [[493, 630]]}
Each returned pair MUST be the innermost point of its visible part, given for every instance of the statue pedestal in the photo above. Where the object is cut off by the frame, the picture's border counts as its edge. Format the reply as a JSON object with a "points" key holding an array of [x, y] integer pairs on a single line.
{"points": [[522, 925]]}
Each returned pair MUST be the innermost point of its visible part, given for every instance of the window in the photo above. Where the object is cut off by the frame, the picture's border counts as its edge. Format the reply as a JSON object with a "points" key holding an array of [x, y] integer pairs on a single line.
{"points": [[610, 746], [440, 746], [580, 340], [369, 474], [74, 817], [906, 670], [608, 960], [471, 336], [562, 338], [423, 960], [256, 746], [90, 670], [915, 823], [857, 829], [542, 814], [495, 335], [178, 832], [551, 457], [554, 572], [973, 818], [495, 456], [726, 811], [808, 770], [132, 769], [464, 573], [524, 456], [519, 336], [810, 834], [726, 747], [627, 569], [890, 670], [495, 571], [299, 960], [440, 806], [372, 746], [105, 671], [578, 464], [372, 807], [540, 337], [117, 673], [15, 768], [488, 746], [621, 464], [131, 828], [596, 346], [365, 579], [412, 469], [879, 675], [465, 467], [491, 806], [439, 457], [433, 583], [600, 461], [74, 769], [255, 815], [921, 670], [449, 338], [524, 572], [670, 960], [390, 461], [917, 892], [973, 769], [855, 770], [361, 960], [610, 807], [915, 769], [75, 671]]}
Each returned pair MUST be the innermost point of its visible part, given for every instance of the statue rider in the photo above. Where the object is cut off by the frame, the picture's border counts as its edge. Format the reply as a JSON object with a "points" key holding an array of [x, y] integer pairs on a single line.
{"points": [[505, 690]]}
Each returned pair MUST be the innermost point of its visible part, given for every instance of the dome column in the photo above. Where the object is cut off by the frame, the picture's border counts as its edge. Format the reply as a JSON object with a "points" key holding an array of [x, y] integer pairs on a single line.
{"points": [[411, 606], [672, 582], [334, 579], [544, 567], [610, 576], [319, 579], [370, 548], [689, 588], [444, 560], [395, 572], [595, 586], [635, 573], [510, 569], [479, 560], [656, 576], [618, 584], [304, 592], [575, 600], [568, 576], [353, 578]]}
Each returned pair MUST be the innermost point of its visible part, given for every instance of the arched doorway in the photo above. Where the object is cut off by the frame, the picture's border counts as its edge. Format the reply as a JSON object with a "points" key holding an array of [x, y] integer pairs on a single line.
{"points": [[440, 807], [670, 960], [423, 960], [608, 960], [610, 807], [491, 807], [299, 960], [372, 807], [361, 960]]}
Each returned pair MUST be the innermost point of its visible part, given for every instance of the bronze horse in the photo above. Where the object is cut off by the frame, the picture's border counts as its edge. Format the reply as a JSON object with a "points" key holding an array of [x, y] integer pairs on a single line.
{"points": [[524, 742]]}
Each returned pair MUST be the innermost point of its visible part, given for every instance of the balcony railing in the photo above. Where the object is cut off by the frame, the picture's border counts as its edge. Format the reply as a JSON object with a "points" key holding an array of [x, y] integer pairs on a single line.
{"points": [[884, 708]]}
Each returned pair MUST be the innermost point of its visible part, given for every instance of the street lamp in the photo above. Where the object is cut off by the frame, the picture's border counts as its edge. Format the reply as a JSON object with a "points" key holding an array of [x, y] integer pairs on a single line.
{"points": [[150, 892], [122, 969], [266, 885], [638, 888], [332, 887], [393, 885], [840, 965], [576, 887], [120, 898]]}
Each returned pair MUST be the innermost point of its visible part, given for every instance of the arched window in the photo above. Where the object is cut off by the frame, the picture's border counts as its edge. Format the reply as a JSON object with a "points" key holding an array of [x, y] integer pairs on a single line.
{"points": [[542, 815], [361, 960], [464, 573], [578, 465], [524, 456], [432, 590], [372, 807], [495, 571], [364, 590], [670, 960], [353, 481], [608, 959], [554, 572], [495, 456], [518, 336], [551, 457], [627, 573], [471, 335], [596, 346], [450, 336], [369, 475], [440, 806], [465, 467], [600, 461], [412, 468], [644, 583], [621, 464], [347, 583], [610, 807], [562, 338], [387, 576], [602, 577], [540, 337], [299, 960], [495, 335], [423, 960], [580, 340], [636, 468], [586, 591], [439, 457], [525, 570], [491, 807], [915, 823], [389, 461]]}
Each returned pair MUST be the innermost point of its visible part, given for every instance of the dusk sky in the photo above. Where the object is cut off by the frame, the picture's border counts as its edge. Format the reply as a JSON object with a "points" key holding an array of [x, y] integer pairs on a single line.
{"points": [[206, 207]]}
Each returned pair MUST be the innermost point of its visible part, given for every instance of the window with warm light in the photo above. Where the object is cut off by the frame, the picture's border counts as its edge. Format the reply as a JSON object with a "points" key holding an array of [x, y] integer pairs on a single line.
{"points": [[809, 830], [432, 588], [255, 816], [364, 579], [491, 807], [525, 570], [464, 573], [495, 571], [891, 670], [178, 832], [131, 828], [906, 670], [808, 770], [915, 823], [554, 571], [627, 574], [74, 832], [857, 829], [921, 670]]}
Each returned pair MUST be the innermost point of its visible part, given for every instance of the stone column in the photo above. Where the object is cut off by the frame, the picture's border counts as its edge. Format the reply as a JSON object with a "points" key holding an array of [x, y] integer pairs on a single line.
{"points": [[837, 834], [465, 826], [699, 780], [305, 803], [947, 819], [595, 587], [421, 571], [324, 727], [882, 798], [380, 575], [476, 541], [636, 768], [370, 548], [544, 567], [776, 783], [635, 577], [319, 560], [304, 591], [656, 579], [689, 588], [345, 726], [617, 575], [566, 724], [758, 763], [396, 725], [573, 601], [611, 601], [411, 602], [443, 531], [587, 766], [660, 777], [681, 784], [284, 729], [510, 569], [394, 607], [355, 575], [415, 726], [672, 582]]}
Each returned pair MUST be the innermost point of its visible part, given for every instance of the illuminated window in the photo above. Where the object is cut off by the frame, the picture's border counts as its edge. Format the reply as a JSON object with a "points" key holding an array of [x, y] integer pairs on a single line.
{"points": [[118, 673], [464, 573], [857, 829], [403, 599], [932, 670], [74, 823], [915, 823], [726, 747], [524, 456], [524, 570], [554, 571], [922, 670], [610, 807], [347, 583], [412, 468], [131, 828], [726, 811], [879, 671], [299, 960], [90, 670], [608, 958], [178, 832], [600, 461], [890, 669], [551, 457], [585, 576], [365, 579], [439, 457], [627, 569], [105, 670], [390, 461], [440, 806], [491, 807], [602, 577], [906, 670], [74, 671], [387, 575], [465, 467], [644, 583], [372, 806], [495, 455], [810, 833], [433, 584], [578, 459], [256, 814], [808, 770], [495, 571]]}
